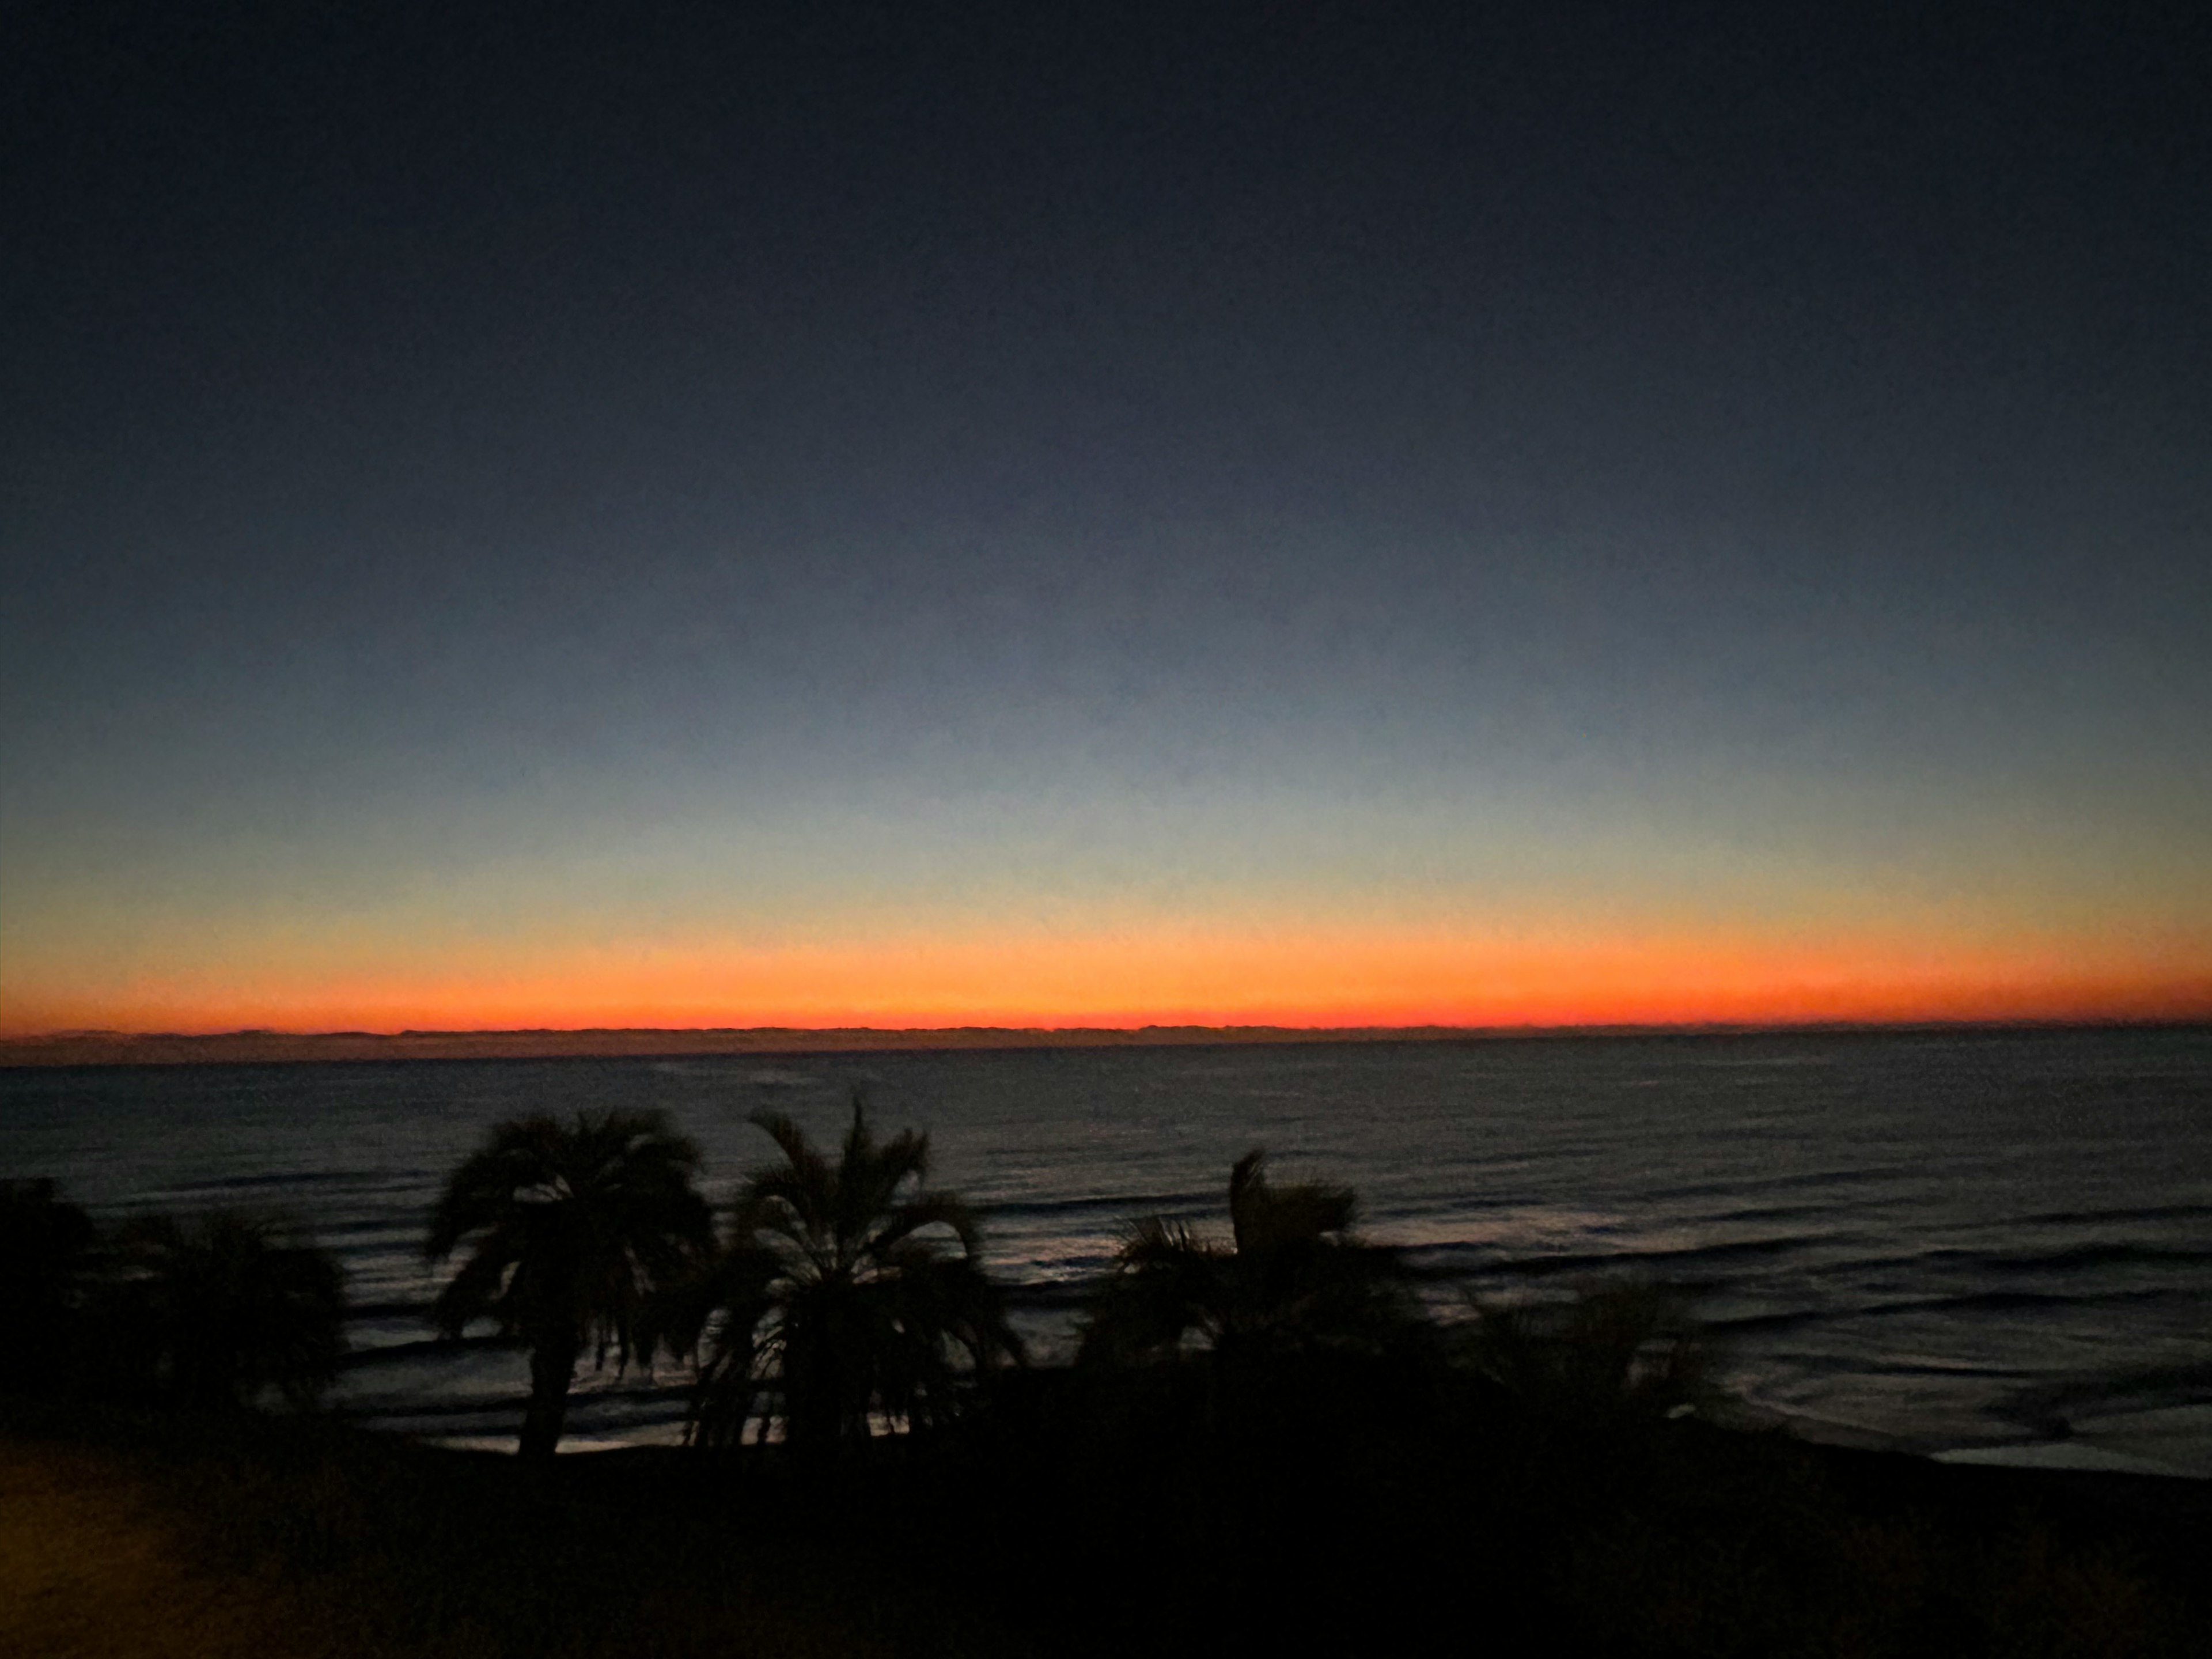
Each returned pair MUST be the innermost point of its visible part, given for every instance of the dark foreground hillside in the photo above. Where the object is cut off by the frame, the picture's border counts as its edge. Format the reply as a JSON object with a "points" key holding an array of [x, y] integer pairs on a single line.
{"points": [[1331, 1506], [248, 1538], [1183, 1511]]}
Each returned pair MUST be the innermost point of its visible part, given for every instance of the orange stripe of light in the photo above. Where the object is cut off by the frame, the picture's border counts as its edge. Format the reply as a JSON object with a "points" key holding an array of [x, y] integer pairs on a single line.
{"points": [[1282, 977]]}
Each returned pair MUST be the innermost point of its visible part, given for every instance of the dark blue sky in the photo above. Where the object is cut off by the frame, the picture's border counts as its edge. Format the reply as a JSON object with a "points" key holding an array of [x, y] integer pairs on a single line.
{"points": [[752, 478]]}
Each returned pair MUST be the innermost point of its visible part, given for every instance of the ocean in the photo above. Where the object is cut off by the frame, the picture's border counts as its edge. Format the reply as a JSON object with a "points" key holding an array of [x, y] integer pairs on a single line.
{"points": [[1973, 1244]]}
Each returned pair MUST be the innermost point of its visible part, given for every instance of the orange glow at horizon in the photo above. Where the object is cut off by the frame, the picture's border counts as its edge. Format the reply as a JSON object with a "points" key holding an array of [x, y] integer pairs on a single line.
{"points": [[1285, 977]]}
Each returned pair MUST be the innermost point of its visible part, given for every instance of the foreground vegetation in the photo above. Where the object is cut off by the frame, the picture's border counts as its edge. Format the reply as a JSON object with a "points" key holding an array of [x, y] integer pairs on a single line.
{"points": [[1266, 1442], [1322, 1511]]}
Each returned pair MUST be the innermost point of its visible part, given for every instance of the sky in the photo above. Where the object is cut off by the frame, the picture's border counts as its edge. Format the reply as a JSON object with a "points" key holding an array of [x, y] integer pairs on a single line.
{"points": [[721, 515]]}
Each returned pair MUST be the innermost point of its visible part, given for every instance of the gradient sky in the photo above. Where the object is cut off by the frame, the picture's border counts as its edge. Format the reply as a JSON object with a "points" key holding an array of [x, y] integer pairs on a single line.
{"points": [[688, 514]]}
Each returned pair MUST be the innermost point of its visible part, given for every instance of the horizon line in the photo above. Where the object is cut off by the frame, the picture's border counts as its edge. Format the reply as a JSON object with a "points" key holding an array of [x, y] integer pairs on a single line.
{"points": [[246, 1044]]}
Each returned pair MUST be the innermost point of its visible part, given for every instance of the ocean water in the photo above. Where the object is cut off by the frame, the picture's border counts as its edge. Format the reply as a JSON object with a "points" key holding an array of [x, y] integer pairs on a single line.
{"points": [[1951, 1241]]}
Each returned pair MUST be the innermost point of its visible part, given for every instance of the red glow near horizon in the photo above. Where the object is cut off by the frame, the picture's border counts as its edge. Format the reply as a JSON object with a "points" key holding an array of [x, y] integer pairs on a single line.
{"points": [[1127, 980]]}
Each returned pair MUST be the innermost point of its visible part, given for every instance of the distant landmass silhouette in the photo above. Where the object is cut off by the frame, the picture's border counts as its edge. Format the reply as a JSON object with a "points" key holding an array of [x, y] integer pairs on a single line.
{"points": [[108, 1047]]}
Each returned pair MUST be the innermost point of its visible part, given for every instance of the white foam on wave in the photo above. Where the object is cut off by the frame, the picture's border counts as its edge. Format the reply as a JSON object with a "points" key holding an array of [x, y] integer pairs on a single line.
{"points": [[2063, 1454]]}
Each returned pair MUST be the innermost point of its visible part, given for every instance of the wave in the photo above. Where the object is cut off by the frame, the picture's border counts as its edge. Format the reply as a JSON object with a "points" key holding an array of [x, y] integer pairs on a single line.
{"points": [[1499, 1259], [2116, 1253], [287, 1181], [2007, 1302], [1966, 1259], [1840, 1177], [427, 1347], [1872, 1365], [2153, 1213], [668, 1398], [366, 1310], [1766, 1212], [1125, 1205], [2128, 1389]]}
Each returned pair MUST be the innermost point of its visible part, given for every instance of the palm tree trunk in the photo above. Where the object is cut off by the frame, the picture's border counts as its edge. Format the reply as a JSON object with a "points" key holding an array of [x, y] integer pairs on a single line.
{"points": [[552, 1368]]}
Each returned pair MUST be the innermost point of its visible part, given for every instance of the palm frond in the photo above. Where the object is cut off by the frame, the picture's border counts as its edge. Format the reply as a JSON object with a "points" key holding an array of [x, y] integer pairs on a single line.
{"points": [[899, 1221], [1608, 1356], [862, 1299], [570, 1231], [1295, 1277], [227, 1304]]}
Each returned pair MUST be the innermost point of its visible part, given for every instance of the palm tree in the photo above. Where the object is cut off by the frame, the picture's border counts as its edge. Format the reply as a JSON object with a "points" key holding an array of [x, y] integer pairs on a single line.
{"points": [[211, 1310], [571, 1228], [46, 1246], [840, 1299], [1293, 1278], [1611, 1356]]}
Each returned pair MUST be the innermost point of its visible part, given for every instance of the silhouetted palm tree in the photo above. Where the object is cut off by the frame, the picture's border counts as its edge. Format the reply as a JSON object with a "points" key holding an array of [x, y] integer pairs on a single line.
{"points": [[210, 1310], [1294, 1277], [46, 1246], [841, 1300], [1612, 1356], [571, 1228]]}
